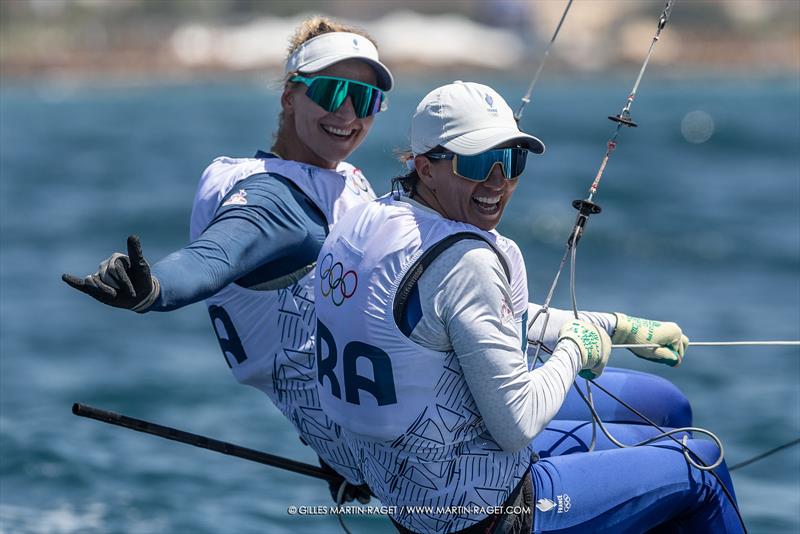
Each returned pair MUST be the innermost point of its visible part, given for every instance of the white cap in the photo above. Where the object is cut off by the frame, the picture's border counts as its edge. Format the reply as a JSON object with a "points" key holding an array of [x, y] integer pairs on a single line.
{"points": [[466, 118], [324, 50]]}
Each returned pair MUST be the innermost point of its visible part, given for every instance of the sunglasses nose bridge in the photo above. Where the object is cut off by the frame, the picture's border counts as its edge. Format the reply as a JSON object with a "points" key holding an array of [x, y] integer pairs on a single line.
{"points": [[346, 109], [497, 175]]}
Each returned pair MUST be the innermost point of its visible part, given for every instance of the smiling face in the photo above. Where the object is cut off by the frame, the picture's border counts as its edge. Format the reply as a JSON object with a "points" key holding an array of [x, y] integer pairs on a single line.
{"points": [[318, 137], [480, 204]]}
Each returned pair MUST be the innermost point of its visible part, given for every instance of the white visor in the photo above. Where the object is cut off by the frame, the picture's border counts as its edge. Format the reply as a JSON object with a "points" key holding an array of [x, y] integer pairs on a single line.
{"points": [[324, 50]]}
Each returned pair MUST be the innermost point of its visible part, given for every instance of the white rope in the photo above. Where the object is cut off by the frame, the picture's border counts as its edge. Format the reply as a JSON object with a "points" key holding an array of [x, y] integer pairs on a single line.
{"points": [[714, 344]]}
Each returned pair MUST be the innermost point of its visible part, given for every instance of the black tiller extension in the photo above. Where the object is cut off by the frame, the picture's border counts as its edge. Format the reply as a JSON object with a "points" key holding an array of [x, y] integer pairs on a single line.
{"points": [[201, 441]]}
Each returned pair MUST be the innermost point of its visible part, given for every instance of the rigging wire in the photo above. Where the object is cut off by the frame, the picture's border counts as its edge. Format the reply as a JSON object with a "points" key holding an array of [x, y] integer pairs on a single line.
{"points": [[586, 208], [688, 453], [663, 433], [714, 344], [527, 98], [764, 454]]}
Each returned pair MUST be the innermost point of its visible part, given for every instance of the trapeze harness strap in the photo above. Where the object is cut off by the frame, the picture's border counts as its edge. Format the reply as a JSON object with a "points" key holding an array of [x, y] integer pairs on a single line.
{"points": [[510, 258], [409, 284], [267, 336], [522, 496], [405, 408]]}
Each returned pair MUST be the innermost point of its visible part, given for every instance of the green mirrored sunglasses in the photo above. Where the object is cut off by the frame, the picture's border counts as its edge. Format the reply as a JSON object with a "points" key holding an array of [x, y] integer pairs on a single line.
{"points": [[330, 92]]}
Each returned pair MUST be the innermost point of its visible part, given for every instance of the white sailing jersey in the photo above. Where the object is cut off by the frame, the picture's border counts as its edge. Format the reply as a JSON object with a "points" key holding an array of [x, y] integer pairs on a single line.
{"points": [[267, 336], [405, 409]]}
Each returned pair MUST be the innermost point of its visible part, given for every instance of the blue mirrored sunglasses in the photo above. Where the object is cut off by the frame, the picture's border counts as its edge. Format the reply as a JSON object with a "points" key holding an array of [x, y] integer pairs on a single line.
{"points": [[478, 167], [330, 92]]}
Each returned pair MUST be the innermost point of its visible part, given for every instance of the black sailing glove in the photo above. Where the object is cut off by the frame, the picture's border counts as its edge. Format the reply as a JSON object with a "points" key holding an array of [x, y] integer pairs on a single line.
{"points": [[121, 281], [351, 492]]}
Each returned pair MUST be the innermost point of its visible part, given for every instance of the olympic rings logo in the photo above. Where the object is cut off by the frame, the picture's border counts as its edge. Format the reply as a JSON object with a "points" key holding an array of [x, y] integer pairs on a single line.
{"points": [[335, 282]]}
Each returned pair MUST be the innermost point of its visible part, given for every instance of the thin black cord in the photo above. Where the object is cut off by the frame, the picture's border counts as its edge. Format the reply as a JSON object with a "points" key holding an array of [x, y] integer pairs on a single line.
{"points": [[687, 450], [764, 454]]}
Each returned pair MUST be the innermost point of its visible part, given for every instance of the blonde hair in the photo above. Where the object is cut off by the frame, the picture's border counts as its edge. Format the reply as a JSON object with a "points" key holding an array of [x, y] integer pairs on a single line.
{"points": [[309, 28], [317, 25]]}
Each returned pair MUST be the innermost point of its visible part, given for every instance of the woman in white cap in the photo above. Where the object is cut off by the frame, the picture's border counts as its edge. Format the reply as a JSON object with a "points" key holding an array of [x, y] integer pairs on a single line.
{"points": [[258, 223], [421, 355]]}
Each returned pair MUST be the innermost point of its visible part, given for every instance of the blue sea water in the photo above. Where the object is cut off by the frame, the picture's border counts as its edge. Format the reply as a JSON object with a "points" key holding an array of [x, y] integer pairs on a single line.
{"points": [[706, 234]]}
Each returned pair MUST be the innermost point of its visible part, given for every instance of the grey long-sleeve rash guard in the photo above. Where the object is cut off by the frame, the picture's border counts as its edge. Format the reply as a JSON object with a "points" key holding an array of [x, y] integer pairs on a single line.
{"points": [[461, 295]]}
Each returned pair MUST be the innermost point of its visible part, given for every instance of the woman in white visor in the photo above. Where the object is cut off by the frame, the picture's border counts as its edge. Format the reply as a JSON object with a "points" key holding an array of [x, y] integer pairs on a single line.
{"points": [[257, 226]]}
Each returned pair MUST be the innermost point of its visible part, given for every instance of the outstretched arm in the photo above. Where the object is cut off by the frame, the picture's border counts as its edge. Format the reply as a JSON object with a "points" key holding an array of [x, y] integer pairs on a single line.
{"points": [[274, 233]]}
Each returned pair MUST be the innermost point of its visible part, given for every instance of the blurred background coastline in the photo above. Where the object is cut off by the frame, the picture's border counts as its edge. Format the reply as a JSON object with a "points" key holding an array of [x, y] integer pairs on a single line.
{"points": [[111, 109], [142, 39]]}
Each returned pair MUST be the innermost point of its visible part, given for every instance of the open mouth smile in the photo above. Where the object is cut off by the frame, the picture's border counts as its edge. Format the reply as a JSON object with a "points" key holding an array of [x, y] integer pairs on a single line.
{"points": [[488, 205], [339, 133]]}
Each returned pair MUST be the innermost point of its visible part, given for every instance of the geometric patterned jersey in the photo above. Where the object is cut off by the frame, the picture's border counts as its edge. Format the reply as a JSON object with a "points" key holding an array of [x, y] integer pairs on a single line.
{"points": [[267, 336], [439, 487], [423, 448]]}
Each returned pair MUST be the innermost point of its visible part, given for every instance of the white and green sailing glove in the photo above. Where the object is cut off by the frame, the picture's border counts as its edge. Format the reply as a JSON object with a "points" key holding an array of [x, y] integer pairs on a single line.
{"points": [[633, 330], [593, 342]]}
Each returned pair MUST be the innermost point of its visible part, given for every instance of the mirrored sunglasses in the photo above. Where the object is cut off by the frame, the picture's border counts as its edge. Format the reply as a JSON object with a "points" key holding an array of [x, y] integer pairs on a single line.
{"points": [[330, 92], [478, 167]]}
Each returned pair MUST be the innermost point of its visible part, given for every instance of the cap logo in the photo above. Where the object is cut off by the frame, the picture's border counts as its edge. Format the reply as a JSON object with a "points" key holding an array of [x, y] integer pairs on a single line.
{"points": [[355, 43], [489, 100]]}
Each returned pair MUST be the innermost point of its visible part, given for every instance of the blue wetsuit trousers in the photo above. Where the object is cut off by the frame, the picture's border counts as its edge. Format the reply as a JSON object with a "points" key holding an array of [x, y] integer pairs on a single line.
{"points": [[649, 488], [655, 397], [571, 429]]}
